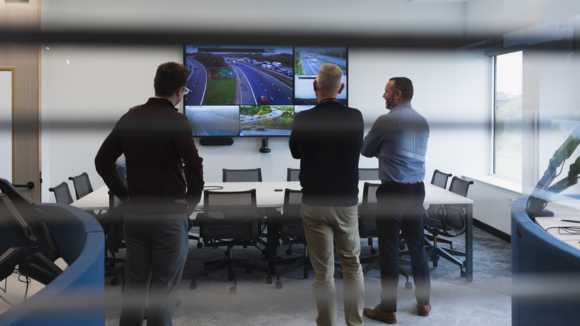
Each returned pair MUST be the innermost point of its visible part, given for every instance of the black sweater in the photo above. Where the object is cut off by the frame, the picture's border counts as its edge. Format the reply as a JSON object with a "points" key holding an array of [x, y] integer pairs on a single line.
{"points": [[328, 139], [159, 148]]}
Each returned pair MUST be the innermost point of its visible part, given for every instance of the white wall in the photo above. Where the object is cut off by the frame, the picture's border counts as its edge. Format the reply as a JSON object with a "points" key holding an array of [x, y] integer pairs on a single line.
{"points": [[82, 99]]}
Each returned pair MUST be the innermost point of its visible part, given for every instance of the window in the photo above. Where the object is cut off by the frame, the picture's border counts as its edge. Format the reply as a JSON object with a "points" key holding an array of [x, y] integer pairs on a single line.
{"points": [[507, 118]]}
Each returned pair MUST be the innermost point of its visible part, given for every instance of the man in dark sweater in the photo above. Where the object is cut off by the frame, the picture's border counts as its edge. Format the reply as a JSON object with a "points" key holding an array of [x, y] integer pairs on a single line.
{"points": [[158, 145], [327, 139]]}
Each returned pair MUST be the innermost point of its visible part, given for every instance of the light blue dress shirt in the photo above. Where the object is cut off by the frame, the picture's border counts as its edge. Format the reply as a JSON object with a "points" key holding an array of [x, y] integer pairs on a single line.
{"points": [[401, 137]]}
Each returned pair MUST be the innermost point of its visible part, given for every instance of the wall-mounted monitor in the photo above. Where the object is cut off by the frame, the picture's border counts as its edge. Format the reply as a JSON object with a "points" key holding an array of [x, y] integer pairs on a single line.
{"points": [[253, 90]]}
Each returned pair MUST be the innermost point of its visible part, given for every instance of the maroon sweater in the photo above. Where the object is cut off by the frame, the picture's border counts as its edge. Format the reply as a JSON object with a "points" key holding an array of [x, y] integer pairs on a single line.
{"points": [[158, 144]]}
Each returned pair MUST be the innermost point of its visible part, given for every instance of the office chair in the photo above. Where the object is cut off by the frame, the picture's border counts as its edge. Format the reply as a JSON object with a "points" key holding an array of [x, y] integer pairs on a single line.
{"points": [[368, 229], [36, 265], [229, 219], [439, 179], [32, 216], [292, 232], [448, 221], [82, 185], [246, 175], [293, 175], [368, 174], [62, 194]]}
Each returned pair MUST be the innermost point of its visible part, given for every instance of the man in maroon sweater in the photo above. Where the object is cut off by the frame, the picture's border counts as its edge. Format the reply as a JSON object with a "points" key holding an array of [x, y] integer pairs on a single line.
{"points": [[158, 145]]}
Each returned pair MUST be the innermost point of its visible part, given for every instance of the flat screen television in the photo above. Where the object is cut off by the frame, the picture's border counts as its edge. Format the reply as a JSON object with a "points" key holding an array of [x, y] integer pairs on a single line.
{"points": [[253, 90]]}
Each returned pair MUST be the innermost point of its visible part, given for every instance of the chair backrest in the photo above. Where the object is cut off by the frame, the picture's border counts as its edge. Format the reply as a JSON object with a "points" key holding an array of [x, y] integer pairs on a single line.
{"points": [[368, 209], [293, 175], [229, 215], [440, 178], [62, 194], [230, 205], [368, 174], [247, 175], [82, 185], [460, 186], [292, 203]]}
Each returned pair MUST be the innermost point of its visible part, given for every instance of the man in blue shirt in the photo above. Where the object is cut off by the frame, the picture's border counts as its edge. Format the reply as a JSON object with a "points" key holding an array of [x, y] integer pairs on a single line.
{"points": [[399, 140]]}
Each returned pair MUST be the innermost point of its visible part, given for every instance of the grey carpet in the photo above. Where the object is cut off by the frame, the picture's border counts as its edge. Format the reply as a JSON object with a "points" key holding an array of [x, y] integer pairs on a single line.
{"points": [[485, 301]]}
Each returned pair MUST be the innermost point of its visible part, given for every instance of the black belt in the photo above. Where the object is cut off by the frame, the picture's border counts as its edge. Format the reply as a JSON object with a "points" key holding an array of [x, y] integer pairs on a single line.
{"points": [[400, 183]]}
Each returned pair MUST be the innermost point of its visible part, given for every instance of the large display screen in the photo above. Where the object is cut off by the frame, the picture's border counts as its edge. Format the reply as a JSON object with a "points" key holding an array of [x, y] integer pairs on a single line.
{"points": [[253, 90]]}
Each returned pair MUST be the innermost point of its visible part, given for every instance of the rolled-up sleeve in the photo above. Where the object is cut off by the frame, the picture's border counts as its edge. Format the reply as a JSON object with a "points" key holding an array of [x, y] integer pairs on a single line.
{"points": [[373, 139]]}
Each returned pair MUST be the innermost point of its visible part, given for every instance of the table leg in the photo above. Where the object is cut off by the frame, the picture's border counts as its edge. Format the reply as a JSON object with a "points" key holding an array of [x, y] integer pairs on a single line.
{"points": [[272, 245], [469, 244]]}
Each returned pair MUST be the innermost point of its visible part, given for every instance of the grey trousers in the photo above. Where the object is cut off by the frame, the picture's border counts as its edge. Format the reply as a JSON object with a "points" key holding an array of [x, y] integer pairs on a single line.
{"points": [[157, 247], [325, 226]]}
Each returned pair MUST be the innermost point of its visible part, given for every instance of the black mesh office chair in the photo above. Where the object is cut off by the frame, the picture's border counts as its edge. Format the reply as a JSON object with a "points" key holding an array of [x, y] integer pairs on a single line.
{"points": [[293, 175], [368, 229], [368, 174], [229, 219], [32, 216], [82, 185], [439, 179], [448, 221], [292, 232], [246, 175], [36, 265], [62, 194]]}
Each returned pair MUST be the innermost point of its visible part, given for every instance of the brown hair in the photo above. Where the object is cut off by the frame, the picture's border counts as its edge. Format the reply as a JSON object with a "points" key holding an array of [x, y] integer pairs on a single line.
{"points": [[169, 78]]}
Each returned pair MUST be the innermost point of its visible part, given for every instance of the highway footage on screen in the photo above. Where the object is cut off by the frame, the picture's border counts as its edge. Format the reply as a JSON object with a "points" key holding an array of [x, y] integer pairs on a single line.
{"points": [[213, 120], [266, 120], [253, 90], [307, 61], [239, 75]]}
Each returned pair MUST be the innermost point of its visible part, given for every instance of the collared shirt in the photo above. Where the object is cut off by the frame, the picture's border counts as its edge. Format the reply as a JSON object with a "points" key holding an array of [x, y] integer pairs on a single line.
{"points": [[401, 137], [158, 145]]}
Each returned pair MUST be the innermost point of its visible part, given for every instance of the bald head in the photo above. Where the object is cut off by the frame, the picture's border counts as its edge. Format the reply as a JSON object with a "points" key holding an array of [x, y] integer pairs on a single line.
{"points": [[329, 79]]}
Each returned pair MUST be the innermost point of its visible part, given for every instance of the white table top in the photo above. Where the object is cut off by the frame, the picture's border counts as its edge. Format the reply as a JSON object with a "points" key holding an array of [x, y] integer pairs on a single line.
{"points": [[551, 224], [266, 196]]}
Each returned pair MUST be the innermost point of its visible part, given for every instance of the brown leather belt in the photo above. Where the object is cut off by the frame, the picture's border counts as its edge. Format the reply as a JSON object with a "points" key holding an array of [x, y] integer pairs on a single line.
{"points": [[400, 183]]}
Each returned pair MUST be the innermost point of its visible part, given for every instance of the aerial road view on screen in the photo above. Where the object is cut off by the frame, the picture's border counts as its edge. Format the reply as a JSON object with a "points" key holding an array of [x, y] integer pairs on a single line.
{"points": [[266, 120], [239, 75], [213, 120], [307, 61]]}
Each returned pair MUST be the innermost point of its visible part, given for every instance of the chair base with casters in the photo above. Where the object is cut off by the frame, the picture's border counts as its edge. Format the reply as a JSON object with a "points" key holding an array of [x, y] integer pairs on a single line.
{"points": [[435, 252], [294, 263], [231, 264], [373, 262]]}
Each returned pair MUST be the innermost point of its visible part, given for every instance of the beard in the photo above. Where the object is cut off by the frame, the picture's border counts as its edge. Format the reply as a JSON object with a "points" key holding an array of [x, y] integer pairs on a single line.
{"points": [[389, 102]]}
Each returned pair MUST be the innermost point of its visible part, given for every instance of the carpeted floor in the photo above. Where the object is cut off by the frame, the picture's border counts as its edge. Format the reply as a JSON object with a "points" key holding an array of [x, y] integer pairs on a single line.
{"points": [[485, 301]]}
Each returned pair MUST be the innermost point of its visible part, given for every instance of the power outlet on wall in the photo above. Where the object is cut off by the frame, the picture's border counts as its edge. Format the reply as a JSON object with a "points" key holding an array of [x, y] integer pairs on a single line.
{"points": [[511, 201]]}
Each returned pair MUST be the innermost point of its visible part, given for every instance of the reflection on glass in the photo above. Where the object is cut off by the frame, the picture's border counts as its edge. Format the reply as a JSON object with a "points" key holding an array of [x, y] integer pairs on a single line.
{"points": [[507, 159]]}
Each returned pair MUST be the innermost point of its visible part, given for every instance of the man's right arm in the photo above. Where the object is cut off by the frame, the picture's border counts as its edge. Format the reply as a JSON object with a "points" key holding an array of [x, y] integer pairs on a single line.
{"points": [[105, 160], [373, 139], [192, 163]]}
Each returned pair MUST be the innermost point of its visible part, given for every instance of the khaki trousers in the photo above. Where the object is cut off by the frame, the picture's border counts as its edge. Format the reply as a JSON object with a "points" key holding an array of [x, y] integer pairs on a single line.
{"points": [[325, 226]]}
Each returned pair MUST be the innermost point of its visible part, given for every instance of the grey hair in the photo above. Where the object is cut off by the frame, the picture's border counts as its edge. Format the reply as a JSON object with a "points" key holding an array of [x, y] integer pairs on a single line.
{"points": [[329, 78]]}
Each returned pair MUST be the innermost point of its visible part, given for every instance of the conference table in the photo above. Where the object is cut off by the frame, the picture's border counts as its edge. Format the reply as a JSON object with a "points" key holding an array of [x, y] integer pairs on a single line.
{"points": [[270, 195]]}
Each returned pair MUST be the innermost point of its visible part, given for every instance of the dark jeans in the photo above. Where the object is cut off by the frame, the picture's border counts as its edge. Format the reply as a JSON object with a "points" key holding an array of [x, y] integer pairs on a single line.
{"points": [[157, 247], [399, 210]]}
